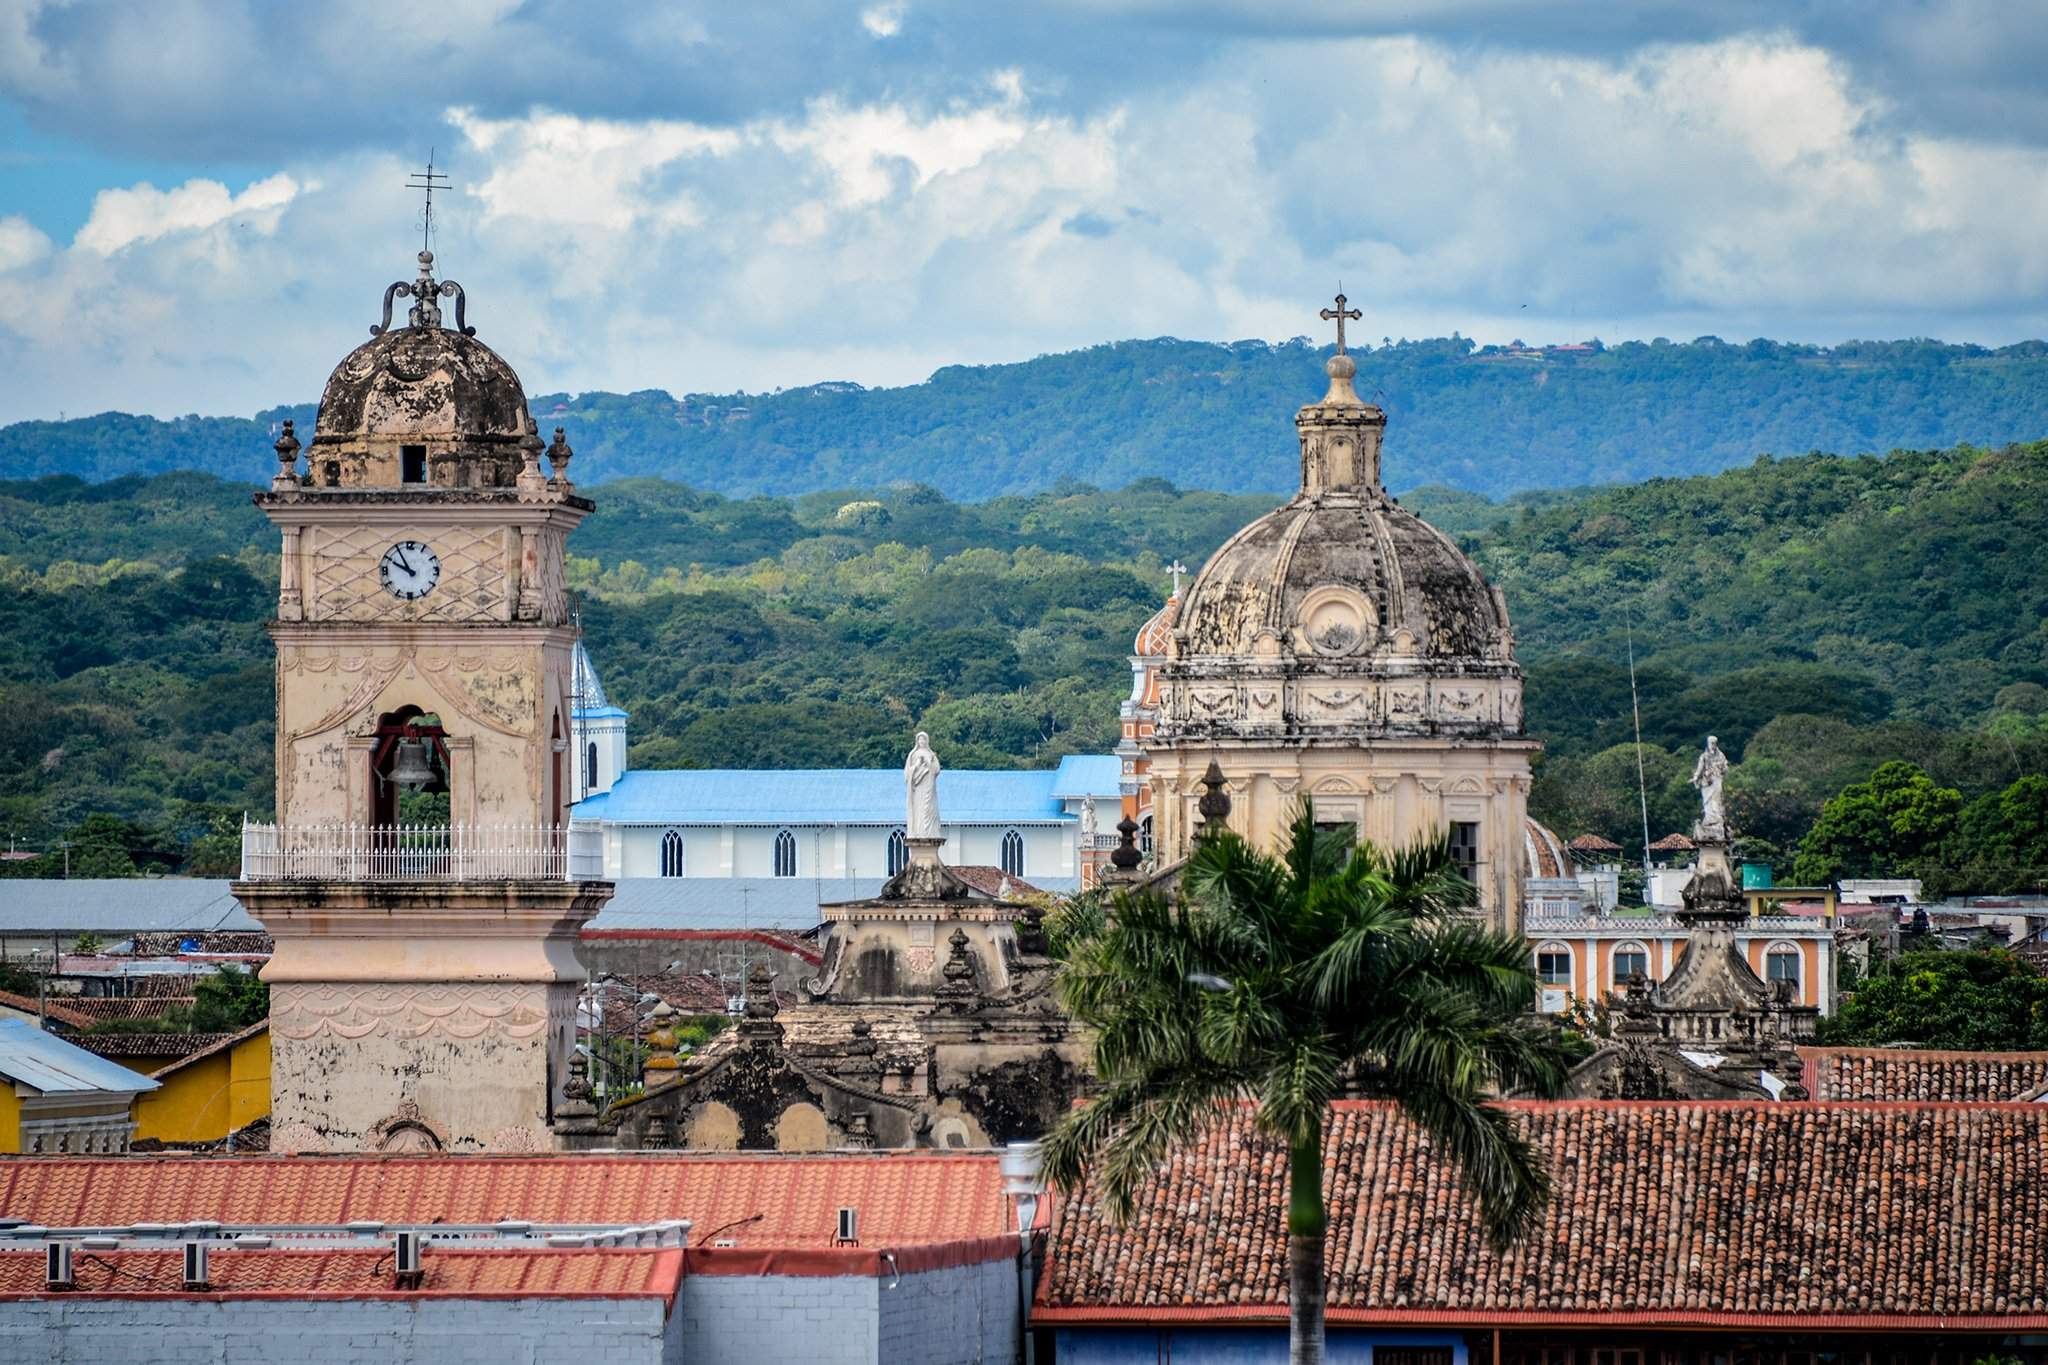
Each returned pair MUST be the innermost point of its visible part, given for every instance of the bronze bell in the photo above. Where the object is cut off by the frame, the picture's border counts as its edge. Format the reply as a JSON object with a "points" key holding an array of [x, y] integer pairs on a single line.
{"points": [[414, 768]]}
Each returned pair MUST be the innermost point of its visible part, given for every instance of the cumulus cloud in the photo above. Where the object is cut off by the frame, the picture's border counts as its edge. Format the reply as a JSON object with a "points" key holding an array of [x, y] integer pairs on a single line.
{"points": [[1749, 185], [123, 217], [22, 243], [884, 21]]}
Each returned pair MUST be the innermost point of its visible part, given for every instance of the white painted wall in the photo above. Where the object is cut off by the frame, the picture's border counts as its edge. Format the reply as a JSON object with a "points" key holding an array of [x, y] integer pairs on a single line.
{"points": [[831, 850]]}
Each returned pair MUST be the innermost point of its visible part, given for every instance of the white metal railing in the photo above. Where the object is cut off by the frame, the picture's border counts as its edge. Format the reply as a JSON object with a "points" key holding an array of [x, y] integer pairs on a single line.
{"points": [[398, 853]]}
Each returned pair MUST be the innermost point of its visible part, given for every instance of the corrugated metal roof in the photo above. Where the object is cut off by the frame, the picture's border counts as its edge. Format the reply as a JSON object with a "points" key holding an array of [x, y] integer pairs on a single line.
{"points": [[118, 905], [726, 902], [843, 796], [29, 1056], [1088, 775]]}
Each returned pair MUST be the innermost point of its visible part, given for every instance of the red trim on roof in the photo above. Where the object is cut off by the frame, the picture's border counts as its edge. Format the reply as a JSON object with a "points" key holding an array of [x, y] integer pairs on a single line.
{"points": [[846, 1261]]}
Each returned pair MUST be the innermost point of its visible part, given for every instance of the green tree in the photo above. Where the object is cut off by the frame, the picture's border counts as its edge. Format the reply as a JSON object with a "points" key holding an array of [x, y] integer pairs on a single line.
{"points": [[2001, 841], [1288, 980], [228, 1001], [1894, 824], [1984, 1000]]}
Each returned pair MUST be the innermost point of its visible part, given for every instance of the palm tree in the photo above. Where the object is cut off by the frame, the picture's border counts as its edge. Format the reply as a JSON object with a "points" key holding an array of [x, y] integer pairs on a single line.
{"points": [[1330, 970]]}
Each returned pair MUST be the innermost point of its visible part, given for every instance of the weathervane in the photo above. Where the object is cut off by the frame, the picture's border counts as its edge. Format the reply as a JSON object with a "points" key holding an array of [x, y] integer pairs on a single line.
{"points": [[1339, 314], [428, 180]]}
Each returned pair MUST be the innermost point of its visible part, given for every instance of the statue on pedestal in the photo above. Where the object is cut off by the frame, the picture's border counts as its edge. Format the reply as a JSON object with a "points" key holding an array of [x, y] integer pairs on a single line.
{"points": [[1708, 775], [921, 790]]}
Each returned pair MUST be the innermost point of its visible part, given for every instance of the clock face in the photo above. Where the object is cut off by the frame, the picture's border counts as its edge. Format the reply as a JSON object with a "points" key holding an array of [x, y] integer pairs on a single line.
{"points": [[409, 570]]}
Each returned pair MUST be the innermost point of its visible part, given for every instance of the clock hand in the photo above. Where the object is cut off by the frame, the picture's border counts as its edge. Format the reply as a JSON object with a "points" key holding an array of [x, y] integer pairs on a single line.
{"points": [[406, 564]]}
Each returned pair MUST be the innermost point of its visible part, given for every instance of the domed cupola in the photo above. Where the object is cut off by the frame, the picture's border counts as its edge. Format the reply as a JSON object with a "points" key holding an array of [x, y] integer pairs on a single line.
{"points": [[422, 405], [1341, 612]]}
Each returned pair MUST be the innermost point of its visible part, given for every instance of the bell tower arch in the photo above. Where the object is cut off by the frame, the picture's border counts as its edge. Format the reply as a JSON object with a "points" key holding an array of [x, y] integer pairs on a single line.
{"points": [[420, 881]]}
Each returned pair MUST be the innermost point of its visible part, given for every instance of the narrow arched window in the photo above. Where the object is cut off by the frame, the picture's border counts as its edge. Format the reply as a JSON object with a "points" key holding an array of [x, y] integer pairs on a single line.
{"points": [[899, 852], [1781, 963], [672, 853], [1554, 964], [1630, 960], [590, 767], [1013, 853], [785, 854]]}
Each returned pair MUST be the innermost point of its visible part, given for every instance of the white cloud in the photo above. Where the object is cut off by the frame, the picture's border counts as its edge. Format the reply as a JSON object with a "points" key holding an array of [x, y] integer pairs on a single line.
{"points": [[1745, 187], [21, 243], [884, 20], [121, 218]]}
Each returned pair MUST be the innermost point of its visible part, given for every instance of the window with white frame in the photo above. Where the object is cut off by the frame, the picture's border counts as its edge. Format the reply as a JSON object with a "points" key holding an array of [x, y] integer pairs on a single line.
{"points": [[1630, 960], [785, 853], [672, 853], [1554, 964], [1013, 853], [899, 852], [1781, 963]]}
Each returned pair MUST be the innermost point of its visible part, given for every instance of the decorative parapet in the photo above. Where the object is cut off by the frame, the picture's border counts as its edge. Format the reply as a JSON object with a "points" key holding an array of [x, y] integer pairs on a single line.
{"points": [[1624, 926]]}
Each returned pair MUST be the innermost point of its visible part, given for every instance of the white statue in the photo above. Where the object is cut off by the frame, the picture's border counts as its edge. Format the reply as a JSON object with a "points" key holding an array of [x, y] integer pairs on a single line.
{"points": [[1707, 775], [921, 788], [1087, 822]]}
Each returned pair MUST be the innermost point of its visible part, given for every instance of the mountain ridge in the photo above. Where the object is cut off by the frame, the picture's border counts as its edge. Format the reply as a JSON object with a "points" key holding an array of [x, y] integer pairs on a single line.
{"points": [[1215, 415]]}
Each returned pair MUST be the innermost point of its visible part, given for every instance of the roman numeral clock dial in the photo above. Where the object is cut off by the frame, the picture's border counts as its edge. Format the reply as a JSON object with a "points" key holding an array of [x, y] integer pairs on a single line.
{"points": [[409, 570]]}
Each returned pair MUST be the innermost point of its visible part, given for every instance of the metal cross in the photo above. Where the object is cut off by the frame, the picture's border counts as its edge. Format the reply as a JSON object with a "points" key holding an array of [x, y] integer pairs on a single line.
{"points": [[1340, 314], [1176, 569], [428, 180]]}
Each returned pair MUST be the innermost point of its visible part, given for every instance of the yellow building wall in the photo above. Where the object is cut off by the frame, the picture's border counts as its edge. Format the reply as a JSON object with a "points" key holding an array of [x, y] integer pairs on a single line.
{"points": [[10, 1119], [204, 1101]]}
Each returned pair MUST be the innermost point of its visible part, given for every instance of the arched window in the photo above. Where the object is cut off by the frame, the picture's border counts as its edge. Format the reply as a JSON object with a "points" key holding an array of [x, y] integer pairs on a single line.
{"points": [[1013, 853], [1145, 834], [672, 853], [590, 767], [785, 853], [899, 852], [1630, 960], [1781, 963], [1554, 964]]}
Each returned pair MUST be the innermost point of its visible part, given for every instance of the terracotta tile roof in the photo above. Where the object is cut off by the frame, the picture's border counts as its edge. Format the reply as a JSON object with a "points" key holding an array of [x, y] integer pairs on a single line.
{"points": [[1673, 843], [1593, 843], [99, 1008], [993, 881], [512, 1273], [1883, 1073], [148, 1044], [226, 1041], [59, 1011], [904, 1198], [1680, 1213], [222, 941]]}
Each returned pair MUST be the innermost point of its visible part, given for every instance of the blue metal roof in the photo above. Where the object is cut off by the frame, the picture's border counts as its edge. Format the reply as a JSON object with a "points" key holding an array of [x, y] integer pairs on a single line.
{"points": [[842, 796], [29, 1056], [725, 902], [1099, 775]]}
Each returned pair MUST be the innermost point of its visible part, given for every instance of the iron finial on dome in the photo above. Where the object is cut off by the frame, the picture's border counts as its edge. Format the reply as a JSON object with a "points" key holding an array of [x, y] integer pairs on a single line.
{"points": [[1340, 313], [1341, 367]]}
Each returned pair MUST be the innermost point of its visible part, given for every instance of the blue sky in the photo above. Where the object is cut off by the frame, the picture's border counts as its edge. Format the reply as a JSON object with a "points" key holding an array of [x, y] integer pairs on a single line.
{"points": [[200, 203]]}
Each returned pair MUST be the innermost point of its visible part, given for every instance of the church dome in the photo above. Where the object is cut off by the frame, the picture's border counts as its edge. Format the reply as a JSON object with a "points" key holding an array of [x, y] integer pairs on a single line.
{"points": [[1341, 610], [422, 403], [1156, 635]]}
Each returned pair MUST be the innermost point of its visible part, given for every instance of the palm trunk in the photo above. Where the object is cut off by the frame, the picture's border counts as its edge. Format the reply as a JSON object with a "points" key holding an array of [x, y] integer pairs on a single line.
{"points": [[1305, 1225]]}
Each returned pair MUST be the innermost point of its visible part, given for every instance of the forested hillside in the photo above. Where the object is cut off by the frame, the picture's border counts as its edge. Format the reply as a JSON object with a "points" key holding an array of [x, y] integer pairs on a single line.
{"points": [[1215, 416], [1822, 615]]}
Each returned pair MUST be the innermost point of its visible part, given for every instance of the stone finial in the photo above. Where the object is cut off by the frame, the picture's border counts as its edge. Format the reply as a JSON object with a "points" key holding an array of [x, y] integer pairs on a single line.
{"points": [[531, 483], [956, 992], [579, 1099], [860, 1133], [1125, 856], [660, 1065], [1215, 803], [287, 448], [427, 293], [761, 993], [559, 455], [657, 1135]]}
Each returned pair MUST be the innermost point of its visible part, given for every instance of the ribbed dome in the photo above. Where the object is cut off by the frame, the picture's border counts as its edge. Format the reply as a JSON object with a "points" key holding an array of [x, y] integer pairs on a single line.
{"points": [[1331, 578], [434, 392]]}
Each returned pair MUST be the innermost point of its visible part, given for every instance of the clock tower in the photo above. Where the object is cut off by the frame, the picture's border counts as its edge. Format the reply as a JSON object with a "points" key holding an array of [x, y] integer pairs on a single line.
{"points": [[419, 882]]}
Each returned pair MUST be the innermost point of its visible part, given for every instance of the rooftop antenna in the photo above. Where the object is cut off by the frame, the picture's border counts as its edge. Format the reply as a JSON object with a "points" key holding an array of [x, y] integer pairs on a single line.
{"points": [[428, 180], [1642, 784]]}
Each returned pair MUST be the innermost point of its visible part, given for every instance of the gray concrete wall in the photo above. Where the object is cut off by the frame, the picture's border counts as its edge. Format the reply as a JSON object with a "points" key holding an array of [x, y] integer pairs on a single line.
{"points": [[964, 1315], [63, 1329]]}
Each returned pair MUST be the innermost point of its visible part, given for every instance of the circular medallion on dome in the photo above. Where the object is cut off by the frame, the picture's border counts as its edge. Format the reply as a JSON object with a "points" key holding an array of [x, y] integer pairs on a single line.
{"points": [[1337, 621]]}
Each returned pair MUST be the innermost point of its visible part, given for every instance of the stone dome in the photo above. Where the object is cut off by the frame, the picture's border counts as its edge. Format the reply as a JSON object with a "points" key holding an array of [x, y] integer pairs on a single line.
{"points": [[1341, 610], [421, 403]]}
